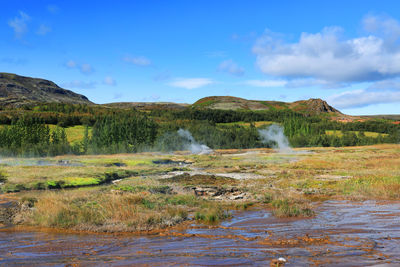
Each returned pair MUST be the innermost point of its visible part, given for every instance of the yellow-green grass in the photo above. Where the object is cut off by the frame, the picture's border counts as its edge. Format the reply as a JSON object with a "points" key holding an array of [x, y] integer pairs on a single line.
{"points": [[284, 208], [78, 181], [85, 166], [372, 187], [247, 124], [112, 209], [286, 185], [75, 134], [31, 174], [368, 134]]}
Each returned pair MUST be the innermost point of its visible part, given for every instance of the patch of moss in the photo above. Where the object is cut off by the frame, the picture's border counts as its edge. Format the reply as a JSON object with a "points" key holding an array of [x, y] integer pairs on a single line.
{"points": [[81, 181]]}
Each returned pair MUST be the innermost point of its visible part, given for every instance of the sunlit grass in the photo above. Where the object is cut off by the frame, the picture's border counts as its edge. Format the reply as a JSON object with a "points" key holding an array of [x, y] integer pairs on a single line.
{"points": [[81, 181], [247, 124], [75, 134], [144, 200], [368, 134]]}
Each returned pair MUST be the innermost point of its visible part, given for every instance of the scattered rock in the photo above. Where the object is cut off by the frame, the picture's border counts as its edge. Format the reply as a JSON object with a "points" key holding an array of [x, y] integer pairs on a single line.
{"points": [[196, 174], [237, 196], [116, 181], [219, 193], [205, 191], [13, 212], [8, 210], [332, 177], [277, 262], [63, 162]]}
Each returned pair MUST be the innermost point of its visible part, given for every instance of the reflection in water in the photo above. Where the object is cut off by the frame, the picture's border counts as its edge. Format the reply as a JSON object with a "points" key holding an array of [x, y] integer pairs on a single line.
{"points": [[342, 233]]}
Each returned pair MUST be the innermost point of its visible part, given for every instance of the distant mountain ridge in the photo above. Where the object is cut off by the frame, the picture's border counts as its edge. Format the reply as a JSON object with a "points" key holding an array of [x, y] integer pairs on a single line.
{"points": [[16, 90], [147, 105]]}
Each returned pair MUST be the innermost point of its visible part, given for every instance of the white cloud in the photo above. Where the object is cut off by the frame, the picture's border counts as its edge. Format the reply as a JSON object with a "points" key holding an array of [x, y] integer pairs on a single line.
{"points": [[86, 68], [387, 91], [71, 64], [329, 57], [79, 85], [386, 27], [140, 61], [309, 82], [191, 83], [362, 98], [231, 67], [266, 83], [108, 80], [43, 29], [19, 24], [392, 85]]}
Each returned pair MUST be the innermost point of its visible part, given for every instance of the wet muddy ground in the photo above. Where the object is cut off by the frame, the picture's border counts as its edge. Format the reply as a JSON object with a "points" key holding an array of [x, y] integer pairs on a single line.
{"points": [[341, 234]]}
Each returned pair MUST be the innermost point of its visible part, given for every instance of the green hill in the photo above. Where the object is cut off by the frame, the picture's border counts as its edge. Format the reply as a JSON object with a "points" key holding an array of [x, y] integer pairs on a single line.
{"points": [[309, 107], [18, 90]]}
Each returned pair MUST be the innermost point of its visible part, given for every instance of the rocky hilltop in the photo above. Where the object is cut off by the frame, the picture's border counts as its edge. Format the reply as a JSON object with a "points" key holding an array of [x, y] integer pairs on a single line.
{"points": [[313, 106], [308, 107], [18, 90]]}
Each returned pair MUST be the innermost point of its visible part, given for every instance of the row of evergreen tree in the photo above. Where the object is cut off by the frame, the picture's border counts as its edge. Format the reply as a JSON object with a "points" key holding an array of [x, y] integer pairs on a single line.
{"points": [[31, 137], [132, 131]]}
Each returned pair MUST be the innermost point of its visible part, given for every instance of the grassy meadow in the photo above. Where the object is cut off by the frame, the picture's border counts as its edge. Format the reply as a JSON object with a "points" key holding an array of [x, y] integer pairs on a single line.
{"points": [[150, 191], [75, 133], [368, 134]]}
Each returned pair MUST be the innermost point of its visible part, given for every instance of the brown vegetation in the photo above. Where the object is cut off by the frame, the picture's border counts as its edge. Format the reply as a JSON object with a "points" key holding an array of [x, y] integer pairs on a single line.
{"points": [[158, 196]]}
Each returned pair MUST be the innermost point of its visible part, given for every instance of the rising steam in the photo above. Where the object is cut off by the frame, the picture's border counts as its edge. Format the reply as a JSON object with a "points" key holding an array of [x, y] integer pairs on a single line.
{"points": [[190, 143], [274, 136]]}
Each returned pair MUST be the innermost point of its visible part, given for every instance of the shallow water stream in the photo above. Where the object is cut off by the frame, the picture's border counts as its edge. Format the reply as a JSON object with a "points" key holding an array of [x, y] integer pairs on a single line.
{"points": [[342, 234]]}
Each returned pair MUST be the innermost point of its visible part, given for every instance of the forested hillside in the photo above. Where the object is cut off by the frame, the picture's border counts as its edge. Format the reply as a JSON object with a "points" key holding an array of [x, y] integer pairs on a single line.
{"points": [[52, 129], [38, 118]]}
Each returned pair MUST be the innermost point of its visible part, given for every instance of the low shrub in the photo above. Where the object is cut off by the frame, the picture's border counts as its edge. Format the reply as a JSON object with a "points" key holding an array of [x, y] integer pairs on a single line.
{"points": [[283, 208]]}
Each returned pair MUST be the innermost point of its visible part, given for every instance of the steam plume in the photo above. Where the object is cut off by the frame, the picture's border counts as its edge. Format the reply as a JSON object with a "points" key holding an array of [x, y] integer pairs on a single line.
{"points": [[191, 144], [274, 134]]}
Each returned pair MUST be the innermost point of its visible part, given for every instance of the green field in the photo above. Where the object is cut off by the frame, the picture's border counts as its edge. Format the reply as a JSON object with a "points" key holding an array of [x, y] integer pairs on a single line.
{"points": [[247, 124], [75, 134], [368, 134]]}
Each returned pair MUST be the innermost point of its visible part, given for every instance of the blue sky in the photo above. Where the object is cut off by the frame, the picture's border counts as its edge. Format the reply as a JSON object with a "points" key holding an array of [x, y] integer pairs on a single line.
{"points": [[346, 52]]}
